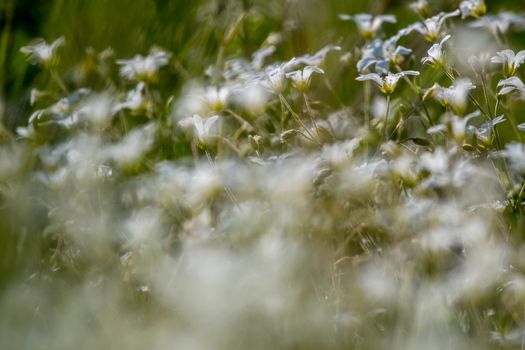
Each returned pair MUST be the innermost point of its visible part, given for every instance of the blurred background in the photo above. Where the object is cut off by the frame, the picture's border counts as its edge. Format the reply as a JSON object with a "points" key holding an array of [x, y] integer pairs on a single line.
{"points": [[192, 30]]}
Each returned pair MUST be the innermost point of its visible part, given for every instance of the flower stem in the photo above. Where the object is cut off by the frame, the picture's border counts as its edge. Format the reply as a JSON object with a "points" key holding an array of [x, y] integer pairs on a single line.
{"points": [[296, 117], [311, 115], [511, 120], [59, 81], [385, 129]]}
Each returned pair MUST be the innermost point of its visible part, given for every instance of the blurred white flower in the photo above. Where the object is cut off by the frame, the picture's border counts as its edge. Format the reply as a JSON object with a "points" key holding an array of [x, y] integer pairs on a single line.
{"points": [[485, 131], [388, 83], [41, 53], [511, 84], [381, 54], [216, 97], [276, 78], [135, 100], [367, 24], [421, 7], [204, 129], [430, 28], [454, 97], [96, 110], [500, 23], [142, 68], [474, 8], [454, 124], [509, 61], [133, 147], [515, 153], [253, 98], [317, 59]]}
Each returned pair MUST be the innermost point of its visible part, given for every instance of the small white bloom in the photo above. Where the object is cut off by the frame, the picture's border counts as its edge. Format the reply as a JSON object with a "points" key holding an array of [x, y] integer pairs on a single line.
{"points": [[202, 129], [431, 27], [474, 8], [216, 97], [367, 24], [435, 54], [484, 131], [500, 23], [515, 153], [41, 53], [454, 97], [276, 79], [510, 85], [509, 60], [144, 68], [133, 147], [381, 54], [388, 83], [253, 98], [456, 125], [301, 78], [421, 7], [317, 59], [135, 100]]}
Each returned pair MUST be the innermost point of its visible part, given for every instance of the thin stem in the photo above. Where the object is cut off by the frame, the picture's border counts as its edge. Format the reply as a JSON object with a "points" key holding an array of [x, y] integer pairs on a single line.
{"points": [[367, 104], [56, 77], [485, 93], [296, 117], [385, 129], [419, 94], [511, 120], [311, 115], [227, 189]]}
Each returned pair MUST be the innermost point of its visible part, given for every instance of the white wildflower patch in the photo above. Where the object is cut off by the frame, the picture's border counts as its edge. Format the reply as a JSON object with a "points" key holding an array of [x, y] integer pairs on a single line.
{"points": [[273, 178]]}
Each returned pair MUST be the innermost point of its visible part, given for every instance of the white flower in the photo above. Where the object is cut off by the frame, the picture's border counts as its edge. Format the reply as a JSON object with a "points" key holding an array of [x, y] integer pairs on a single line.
{"points": [[456, 125], [515, 153], [276, 79], [484, 132], [381, 54], [511, 84], [41, 53], [499, 23], [421, 7], [509, 60], [133, 147], [435, 54], [388, 83], [367, 24], [301, 78], [135, 100], [474, 8], [252, 97], [216, 97], [454, 97], [202, 129], [431, 27], [318, 58], [144, 68]]}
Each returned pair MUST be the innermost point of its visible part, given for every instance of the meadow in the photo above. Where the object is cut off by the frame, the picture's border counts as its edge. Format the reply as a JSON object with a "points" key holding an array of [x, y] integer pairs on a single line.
{"points": [[300, 174]]}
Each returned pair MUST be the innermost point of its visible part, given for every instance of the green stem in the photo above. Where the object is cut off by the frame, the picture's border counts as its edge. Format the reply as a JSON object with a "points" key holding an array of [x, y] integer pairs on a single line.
{"points": [[296, 117], [511, 120], [59, 81], [311, 115], [385, 129]]}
